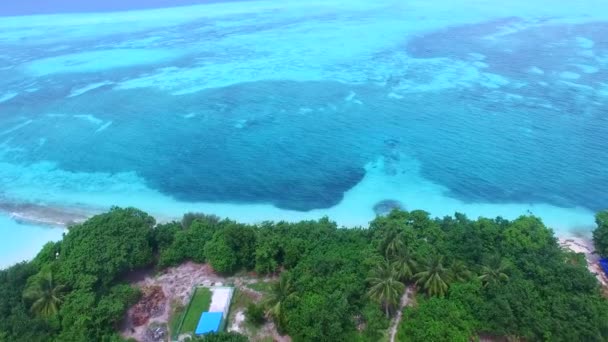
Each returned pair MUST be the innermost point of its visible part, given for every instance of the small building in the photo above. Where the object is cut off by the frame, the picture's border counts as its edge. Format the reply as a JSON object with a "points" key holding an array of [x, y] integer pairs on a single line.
{"points": [[220, 300], [209, 322]]}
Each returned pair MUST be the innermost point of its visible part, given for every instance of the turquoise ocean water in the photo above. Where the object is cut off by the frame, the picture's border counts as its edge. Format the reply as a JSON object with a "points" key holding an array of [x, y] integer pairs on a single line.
{"points": [[293, 110]]}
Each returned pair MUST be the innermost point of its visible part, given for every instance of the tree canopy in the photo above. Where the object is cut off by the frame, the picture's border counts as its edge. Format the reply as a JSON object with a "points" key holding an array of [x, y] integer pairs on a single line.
{"points": [[484, 276], [600, 234], [105, 246]]}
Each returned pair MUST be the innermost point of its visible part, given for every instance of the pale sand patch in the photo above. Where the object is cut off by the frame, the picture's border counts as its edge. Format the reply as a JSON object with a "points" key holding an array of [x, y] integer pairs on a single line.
{"points": [[98, 60], [406, 300], [585, 246], [269, 329], [237, 323]]}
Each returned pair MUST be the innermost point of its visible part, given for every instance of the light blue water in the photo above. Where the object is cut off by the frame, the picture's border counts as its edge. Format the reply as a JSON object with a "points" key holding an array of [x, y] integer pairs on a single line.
{"points": [[286, 111], [22, 241]]}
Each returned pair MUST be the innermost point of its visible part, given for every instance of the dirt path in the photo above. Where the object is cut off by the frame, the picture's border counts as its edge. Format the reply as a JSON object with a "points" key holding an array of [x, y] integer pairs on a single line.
{"points": [[405, 301]]}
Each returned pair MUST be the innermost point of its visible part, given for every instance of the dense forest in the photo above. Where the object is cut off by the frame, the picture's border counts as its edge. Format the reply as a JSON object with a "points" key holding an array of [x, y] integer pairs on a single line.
{"points": [[486, 276]]}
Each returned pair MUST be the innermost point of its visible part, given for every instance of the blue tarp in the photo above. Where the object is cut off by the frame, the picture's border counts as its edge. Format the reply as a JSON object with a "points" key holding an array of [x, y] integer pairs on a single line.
{"points": [[209, 322], [604, 265]]}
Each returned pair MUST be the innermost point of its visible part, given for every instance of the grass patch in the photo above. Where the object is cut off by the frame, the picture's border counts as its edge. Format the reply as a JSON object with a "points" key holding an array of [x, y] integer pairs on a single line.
{"points": [[264, 287], [240, 300], [200, 302], [177, 312]]}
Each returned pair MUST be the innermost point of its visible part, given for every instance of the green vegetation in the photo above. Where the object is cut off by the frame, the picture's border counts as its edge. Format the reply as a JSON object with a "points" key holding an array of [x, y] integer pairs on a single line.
{"points": [[264, 287], [201, 299], [72, 290], [600, 234], [437, 319], [44, 296], [434, 277], [240, 302], [386, 289], [255, 314], [175, 318], [222, 337], [506, 278], [490, 276]]}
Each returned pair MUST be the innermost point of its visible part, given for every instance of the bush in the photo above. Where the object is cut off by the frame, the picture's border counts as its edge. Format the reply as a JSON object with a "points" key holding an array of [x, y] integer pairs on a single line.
{"points": [[189, 218], [255, 314], [437, 319], [219, 254]]}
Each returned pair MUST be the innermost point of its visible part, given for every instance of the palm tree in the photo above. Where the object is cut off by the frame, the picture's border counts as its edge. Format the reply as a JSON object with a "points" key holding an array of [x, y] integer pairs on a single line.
{"points": [[494, 272], [394, 246], [404, 263], [435, 278], [44, 294], [459, 271], [385, 286], [280, 292]]}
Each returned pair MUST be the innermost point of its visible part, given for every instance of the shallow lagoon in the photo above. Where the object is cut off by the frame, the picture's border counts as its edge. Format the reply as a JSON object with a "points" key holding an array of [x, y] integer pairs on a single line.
{"points": [[292, 111], [22, 241]]}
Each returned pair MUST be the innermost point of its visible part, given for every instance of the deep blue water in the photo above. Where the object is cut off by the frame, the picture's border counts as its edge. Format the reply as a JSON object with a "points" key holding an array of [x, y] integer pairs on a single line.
{"points": [[292, 110], [300, 145]]}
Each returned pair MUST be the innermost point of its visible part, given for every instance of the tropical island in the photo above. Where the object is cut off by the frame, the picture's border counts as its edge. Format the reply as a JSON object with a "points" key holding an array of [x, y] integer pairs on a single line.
{"points": [[405, 277]]}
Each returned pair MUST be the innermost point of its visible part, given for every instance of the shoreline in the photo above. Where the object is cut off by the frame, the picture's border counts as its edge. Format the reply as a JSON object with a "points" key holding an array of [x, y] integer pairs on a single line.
{"points": [[394, 182], [61, 217], [585, 246]]}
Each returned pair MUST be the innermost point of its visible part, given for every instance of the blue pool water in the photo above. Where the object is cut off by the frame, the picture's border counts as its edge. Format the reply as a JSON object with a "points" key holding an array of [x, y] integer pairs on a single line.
{"points": [[289, 110]]}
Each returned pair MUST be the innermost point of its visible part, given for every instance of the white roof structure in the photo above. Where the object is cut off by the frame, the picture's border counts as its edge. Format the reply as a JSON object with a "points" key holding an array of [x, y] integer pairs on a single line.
{"points": [[220, 299]]}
